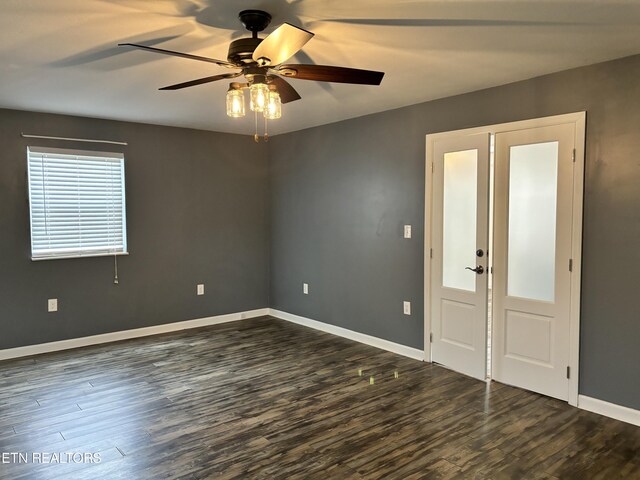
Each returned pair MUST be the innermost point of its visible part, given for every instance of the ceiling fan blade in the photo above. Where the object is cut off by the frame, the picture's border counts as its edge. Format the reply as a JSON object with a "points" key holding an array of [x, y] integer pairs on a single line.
{"points": [[281, 44], [200, 81], [325, 73], [284, 88], [442, 22], [179, 54]]}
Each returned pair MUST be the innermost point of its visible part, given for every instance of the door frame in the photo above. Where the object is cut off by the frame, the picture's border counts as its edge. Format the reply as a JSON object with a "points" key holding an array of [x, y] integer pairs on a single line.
{"points": [[579, 121]]}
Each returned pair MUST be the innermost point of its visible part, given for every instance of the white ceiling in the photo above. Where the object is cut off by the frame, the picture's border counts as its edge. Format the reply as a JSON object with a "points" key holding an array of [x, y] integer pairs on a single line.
{"points": [[61, 55]]}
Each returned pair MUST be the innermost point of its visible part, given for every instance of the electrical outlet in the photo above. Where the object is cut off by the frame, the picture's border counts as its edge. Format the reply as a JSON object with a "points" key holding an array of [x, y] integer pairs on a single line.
{"points": [[200, 289], [406, 307], [305, 288], [407, 231], [52, 305]]}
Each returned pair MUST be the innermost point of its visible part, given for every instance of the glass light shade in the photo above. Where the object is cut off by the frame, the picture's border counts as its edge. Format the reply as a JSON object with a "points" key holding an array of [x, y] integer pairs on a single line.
{"points": [[273, 109], [259, 94], [235, 103]]}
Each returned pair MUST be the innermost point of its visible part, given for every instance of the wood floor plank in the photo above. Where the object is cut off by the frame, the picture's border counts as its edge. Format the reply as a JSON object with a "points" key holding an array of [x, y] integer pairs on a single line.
{"points": [[266, 399]]}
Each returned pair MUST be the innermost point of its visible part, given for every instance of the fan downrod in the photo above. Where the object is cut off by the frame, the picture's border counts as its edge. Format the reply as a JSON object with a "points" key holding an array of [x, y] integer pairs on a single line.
{"points": [[241, 50]]}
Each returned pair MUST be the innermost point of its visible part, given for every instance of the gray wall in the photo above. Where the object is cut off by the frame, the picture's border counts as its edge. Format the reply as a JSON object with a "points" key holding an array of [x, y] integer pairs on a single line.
{"points": [[196, 211], [340, 194]]}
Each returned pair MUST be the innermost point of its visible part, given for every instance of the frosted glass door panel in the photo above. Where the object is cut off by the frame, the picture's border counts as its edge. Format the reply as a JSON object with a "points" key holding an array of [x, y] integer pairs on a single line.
{"points": [[533, 194], [459, 219], [460, 211], [532, 295]]}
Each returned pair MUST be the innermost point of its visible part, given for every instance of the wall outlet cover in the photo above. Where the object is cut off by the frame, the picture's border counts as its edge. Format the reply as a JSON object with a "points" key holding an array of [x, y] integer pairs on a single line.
{"points": [[305, 288], [200, 289], [407, 231]]}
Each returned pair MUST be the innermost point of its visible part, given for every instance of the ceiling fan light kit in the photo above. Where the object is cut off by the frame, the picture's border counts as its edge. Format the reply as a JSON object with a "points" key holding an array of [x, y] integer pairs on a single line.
{"points": [[261, 63]]}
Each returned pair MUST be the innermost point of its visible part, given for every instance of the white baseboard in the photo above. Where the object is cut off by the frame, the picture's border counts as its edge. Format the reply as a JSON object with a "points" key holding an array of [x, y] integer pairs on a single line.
{"points": [[127, 334], [350, 334], [204, 322], [612, 410]]}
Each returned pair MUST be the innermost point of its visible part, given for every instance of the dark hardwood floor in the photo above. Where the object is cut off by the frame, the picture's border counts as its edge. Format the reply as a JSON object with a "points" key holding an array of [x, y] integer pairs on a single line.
{"points": [[266, 399]]}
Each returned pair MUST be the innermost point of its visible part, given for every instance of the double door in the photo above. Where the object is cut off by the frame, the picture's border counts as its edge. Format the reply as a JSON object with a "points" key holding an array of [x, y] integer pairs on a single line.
{"points": [[501, 242]]}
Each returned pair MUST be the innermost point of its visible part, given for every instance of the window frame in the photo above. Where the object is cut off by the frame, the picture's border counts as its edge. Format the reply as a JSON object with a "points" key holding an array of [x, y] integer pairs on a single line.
{"points": [[84, 153]]}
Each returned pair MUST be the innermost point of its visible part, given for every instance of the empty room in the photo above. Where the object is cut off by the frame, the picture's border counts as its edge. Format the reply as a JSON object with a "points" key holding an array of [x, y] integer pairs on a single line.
{"points": [[319, 239]]}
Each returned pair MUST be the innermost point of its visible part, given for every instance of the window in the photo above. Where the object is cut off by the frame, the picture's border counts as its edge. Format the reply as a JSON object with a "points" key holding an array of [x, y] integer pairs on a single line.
{"points": [[77, 203]]}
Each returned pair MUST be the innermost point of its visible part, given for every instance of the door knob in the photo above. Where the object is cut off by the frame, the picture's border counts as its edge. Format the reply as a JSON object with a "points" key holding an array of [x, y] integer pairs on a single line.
{"points": [[479, 269]]}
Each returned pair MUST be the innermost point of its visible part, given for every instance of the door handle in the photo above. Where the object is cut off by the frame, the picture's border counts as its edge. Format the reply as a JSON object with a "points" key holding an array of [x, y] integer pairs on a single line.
{"points": [[479, 269]]}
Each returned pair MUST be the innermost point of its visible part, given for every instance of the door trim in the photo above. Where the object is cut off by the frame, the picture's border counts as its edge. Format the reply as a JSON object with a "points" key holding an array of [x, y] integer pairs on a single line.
{"points": [[579, 120]]}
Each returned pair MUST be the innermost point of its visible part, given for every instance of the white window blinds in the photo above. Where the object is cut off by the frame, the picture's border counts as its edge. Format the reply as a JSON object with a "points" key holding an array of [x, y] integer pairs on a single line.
{"points": [[77, 203]]}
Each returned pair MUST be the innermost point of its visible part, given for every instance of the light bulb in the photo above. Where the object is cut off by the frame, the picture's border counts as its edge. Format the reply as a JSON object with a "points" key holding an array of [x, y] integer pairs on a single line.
{"points": [[273, 109], [259, 94], [235, 103]]}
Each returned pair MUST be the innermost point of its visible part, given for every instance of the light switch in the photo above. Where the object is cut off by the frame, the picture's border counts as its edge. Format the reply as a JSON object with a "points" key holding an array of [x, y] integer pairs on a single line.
{"points": [[407, 231], [406, 307], [200, 289], [305, 288], [52, 305]]}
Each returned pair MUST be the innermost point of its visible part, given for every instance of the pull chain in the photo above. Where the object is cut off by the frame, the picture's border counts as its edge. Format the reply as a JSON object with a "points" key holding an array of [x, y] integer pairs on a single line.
{"points": [[115, 267], [256, 137], [266, 133]]}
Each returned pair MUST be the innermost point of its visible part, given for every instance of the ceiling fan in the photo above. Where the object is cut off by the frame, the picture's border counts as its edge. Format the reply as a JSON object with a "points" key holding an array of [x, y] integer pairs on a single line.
{"points": [[261, 62]]}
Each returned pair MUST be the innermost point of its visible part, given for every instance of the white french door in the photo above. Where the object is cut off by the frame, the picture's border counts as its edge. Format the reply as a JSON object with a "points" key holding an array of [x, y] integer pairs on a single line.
{"points": [[459, 242], [532, 255], [536, 227]]}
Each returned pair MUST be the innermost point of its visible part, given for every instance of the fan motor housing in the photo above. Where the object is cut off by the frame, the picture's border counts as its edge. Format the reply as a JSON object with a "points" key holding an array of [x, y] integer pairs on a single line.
{"points": [[241, 50]]}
